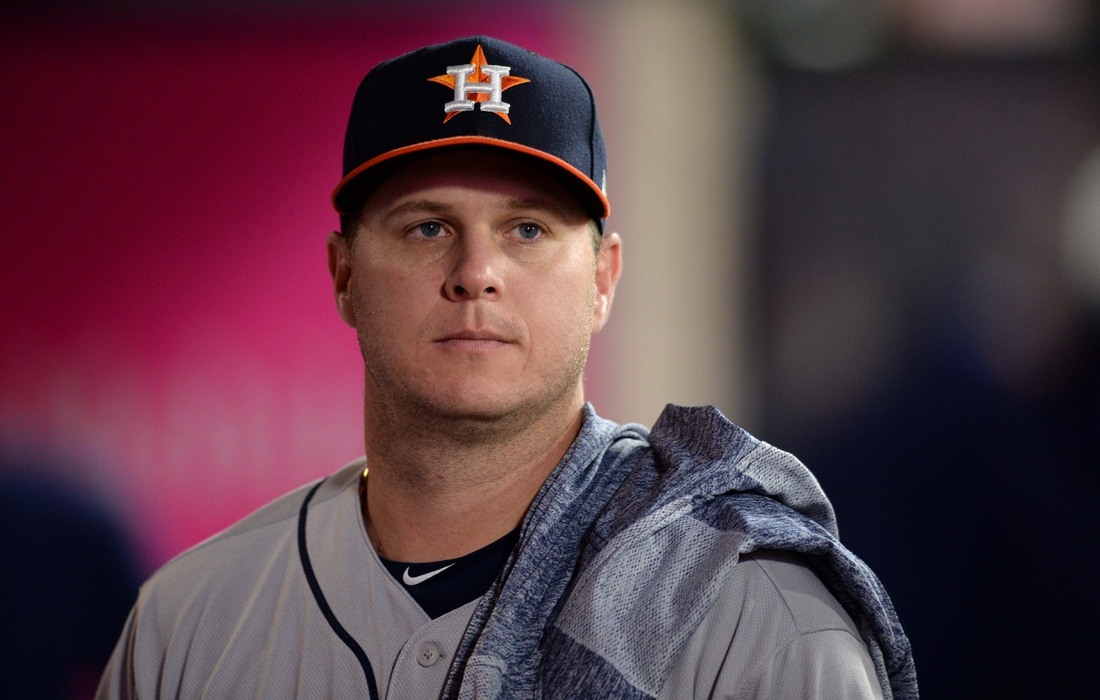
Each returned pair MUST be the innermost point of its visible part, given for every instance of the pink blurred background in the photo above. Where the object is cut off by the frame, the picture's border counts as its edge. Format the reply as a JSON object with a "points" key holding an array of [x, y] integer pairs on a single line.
{"points": [[169, 330]]}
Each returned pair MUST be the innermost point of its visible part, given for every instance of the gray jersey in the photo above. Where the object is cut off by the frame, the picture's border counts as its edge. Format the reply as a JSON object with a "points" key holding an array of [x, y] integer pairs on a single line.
{"points": [[234, 617]]}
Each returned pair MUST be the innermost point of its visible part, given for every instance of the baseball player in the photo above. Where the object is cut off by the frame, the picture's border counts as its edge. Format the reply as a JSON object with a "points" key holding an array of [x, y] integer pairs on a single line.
{"points": [[499, 539]]}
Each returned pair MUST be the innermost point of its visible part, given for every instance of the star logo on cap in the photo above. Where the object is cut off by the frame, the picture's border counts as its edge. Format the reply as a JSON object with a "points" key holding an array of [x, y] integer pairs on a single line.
{"points": [[478, 82]]}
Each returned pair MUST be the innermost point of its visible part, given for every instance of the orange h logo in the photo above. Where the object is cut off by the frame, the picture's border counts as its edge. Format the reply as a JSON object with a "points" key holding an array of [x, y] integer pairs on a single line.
{"points": [[478, 82]]}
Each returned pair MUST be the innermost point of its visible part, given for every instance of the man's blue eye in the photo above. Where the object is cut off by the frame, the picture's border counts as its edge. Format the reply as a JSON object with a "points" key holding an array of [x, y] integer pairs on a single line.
{"points": [[528, 231], [430, 229]]}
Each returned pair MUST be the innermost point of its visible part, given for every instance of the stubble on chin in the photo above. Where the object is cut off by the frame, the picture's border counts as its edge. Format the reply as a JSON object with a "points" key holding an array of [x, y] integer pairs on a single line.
{"points": [[417, 412], [414, 409]]}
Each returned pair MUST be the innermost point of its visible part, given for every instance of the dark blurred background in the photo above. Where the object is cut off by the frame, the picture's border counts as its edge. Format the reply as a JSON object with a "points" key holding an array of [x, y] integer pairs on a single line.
{"points": [[868, 230], [929, 240]]}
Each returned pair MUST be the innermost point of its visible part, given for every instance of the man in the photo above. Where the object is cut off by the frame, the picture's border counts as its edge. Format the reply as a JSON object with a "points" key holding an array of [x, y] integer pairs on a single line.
{"points": [[499, 539]]}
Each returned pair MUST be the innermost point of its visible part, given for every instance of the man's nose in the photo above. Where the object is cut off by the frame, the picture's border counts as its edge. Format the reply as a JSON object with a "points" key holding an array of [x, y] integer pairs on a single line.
{"points": [[477, 269]]}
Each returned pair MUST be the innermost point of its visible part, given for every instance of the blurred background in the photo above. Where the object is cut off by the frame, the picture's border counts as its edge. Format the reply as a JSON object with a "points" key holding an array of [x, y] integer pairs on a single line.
{"points": [[867, 230]]}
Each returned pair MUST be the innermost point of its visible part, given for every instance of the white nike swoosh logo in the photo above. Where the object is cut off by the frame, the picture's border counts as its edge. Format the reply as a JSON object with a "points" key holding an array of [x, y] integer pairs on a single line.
{"points": [[413, 580]]}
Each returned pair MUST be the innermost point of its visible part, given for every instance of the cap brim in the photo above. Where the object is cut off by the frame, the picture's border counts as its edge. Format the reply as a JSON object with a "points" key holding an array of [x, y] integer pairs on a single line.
{"points": [[353, 189]]}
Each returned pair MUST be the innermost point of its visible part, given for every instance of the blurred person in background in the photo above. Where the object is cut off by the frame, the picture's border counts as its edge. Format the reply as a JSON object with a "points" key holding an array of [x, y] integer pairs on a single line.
{"points": [[67, 579]]}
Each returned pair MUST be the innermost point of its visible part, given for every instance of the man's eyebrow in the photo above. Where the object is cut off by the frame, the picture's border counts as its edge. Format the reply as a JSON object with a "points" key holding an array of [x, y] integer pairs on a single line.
{"points": [[418, 206], [537, 204]]}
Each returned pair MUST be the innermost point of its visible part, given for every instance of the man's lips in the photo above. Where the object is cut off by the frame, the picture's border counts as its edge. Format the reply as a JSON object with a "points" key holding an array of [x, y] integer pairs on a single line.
{"points": [[473, 340]]}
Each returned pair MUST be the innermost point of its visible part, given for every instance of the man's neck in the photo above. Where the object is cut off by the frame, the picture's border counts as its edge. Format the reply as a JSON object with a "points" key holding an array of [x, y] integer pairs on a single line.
{"points": [[437, 493]]}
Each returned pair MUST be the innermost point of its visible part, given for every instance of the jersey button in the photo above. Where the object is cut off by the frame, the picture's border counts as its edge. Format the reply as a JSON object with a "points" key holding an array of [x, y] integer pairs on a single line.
{"points": [[428, 654]]}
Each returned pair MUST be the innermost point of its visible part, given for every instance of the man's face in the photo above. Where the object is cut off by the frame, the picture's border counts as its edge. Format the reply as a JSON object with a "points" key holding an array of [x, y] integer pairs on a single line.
{"points": [[473, 287]]}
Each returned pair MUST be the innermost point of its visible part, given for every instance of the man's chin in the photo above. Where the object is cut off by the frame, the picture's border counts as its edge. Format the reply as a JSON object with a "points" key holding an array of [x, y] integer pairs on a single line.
{"points": [[474, 408], [487, 404]]}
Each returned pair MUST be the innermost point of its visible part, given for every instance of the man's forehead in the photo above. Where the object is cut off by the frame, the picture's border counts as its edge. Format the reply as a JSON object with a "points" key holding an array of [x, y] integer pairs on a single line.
{"points": [[415, 204]]}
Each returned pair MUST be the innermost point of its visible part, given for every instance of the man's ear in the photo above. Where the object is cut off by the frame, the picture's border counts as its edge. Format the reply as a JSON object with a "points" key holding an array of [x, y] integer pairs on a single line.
{"points": [[339, 266], [609, 263]]}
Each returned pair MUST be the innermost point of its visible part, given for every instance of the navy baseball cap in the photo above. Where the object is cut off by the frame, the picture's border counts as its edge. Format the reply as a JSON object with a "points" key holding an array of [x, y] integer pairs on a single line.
{"points": [[480, 92]]}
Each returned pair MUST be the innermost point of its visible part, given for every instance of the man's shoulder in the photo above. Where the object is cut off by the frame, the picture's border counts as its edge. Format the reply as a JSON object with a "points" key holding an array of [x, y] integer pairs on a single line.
{"points": [[773, 621], [686, 555], [770, 599], [204, 618], [804, 599], [250, 543]]}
